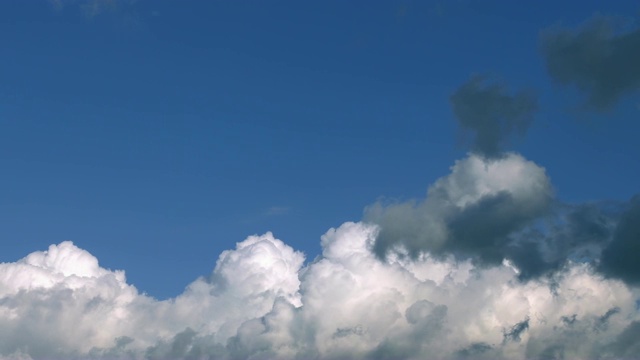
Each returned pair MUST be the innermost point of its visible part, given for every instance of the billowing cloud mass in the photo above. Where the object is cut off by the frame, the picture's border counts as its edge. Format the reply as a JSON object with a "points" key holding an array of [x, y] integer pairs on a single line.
{"points": [[489, 265], [438, 278], [600, 59], [472, 213], [491, 114]]}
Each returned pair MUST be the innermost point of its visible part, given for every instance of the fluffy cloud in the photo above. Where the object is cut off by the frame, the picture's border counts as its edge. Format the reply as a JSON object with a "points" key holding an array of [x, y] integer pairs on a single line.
{"points": [[61, 303], [438, 291], [598, 59]]}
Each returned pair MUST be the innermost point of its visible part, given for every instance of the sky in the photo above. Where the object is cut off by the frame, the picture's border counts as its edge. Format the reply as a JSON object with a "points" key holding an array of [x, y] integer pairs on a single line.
{"points": [[255, 179]]}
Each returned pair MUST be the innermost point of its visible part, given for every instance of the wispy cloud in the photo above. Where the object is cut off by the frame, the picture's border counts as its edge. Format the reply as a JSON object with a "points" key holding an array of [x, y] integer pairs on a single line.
{"points": [[277, 210]]}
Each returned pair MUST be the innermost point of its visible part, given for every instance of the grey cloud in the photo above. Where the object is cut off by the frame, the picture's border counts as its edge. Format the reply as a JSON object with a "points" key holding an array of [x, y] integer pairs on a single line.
{"points": [[418, 311], [620, 257], [491, 114], [484, 229], [577, 232], [626, 344], [569, 320], [598, 60], [516, 331], [601, 322], [407, 224], [187, 344], [475, 351], [347, 331], [516, 221]]}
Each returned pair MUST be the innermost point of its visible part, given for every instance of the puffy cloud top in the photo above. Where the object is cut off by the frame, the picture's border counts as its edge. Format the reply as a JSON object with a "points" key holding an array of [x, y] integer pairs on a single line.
{"points": [[261, 264], [461, 294], [63, 265]]}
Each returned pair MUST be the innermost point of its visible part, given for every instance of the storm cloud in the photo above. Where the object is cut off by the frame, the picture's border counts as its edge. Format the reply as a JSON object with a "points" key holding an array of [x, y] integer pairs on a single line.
{"points": [[600, 59]]}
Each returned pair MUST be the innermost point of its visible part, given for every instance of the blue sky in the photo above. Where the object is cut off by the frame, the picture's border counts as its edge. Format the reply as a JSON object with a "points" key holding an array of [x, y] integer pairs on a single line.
{"points": [[156, 134]]}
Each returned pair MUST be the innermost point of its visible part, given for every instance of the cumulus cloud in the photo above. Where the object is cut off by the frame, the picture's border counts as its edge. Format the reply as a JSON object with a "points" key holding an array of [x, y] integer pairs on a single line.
{"points": [[347, 304], [470, 213], [491, 114], [61, 303], [598, 59], [492, 211], [438, 291]]}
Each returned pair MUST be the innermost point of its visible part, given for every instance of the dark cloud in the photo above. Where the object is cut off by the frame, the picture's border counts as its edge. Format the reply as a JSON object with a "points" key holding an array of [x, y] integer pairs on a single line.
{"points": [[535, 233], [603, 321], [516, 331], [482, 230], [598, 60], [626, 344], [473, 213], [491, 114], [569, 320], [474, 351], [578, 232], [620, 259]]}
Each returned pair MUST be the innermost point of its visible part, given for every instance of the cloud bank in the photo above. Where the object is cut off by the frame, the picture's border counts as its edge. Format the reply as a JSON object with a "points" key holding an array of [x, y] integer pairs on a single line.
{"points": [[457, 275]]}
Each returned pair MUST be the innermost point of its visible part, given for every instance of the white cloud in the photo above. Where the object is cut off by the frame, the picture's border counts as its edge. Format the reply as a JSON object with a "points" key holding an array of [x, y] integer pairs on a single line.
{"points": [[260, 302]]}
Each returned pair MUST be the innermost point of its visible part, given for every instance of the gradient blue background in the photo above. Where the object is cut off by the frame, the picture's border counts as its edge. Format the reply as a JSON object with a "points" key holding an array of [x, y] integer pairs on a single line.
{"points": [[158, 133]]}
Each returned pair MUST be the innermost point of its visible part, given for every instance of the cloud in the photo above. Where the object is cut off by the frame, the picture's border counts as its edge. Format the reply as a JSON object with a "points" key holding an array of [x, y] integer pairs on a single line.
{"points": [[491, 114], [438, 290], [60, 303], [598, 59], [619, 258], [471, 213], [491, 211]]}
